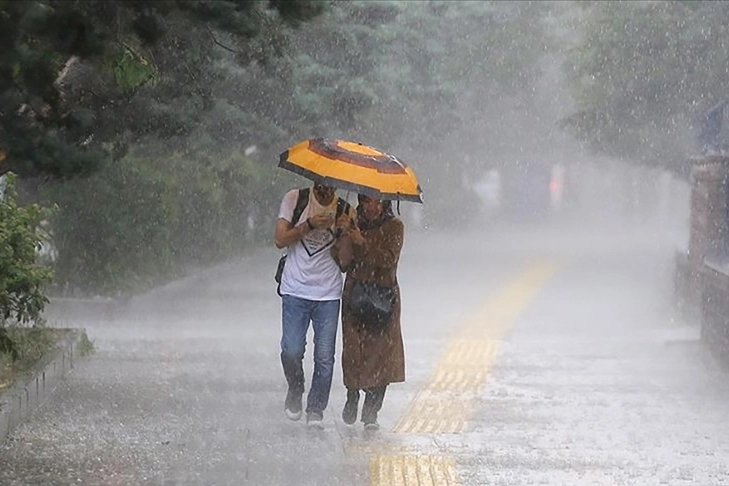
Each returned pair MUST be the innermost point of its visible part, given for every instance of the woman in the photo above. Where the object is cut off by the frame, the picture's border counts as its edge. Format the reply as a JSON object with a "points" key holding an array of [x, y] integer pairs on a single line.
{"points": [[372, 354]]}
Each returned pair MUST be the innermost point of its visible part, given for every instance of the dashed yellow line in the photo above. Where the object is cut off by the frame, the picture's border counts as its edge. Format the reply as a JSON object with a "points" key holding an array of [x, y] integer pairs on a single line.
{"points": [[447, 400], [433, 413], [412, 469]]}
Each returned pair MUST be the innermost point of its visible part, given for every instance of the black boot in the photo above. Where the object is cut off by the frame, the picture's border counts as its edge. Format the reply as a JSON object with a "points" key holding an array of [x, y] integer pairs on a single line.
{"points": [[349, 414], [372, 405]]}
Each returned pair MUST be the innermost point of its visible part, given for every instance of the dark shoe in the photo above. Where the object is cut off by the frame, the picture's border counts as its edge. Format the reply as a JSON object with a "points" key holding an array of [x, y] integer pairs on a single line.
{"points": [[315, 420], [372, 405], [292, 407], [349, 413]]}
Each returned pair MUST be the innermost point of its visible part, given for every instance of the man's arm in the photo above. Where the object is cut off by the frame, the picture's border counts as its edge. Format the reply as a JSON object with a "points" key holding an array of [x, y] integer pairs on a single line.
{"points": [[287, 234]]}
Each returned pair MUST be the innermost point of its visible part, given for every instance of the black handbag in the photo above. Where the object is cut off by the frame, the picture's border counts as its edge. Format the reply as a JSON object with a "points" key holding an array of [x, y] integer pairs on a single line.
{"points": [[279, 272], [372, 304], [280, 269]]}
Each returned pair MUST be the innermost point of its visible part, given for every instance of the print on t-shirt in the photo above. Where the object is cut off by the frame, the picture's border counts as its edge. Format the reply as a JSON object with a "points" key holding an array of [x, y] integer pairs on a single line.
{"points": [[317, 241]]}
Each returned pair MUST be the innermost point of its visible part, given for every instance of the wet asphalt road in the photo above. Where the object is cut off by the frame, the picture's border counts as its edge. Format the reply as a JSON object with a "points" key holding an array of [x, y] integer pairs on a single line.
{"points": [[546, 356]]}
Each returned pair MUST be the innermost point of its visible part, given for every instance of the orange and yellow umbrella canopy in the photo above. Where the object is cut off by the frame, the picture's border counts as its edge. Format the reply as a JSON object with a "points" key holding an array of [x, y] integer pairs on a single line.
{"points": [[353, 167]]}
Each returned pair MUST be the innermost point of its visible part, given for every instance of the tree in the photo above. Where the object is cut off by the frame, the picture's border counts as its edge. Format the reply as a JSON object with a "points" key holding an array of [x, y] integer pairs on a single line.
{"points": [[643, 72], [22, 277], [398, 76], [74, 75], [179, 112]]}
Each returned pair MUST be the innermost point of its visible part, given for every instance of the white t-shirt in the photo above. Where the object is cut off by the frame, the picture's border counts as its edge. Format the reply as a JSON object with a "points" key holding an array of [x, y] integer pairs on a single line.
{"points": [[310, 272]]}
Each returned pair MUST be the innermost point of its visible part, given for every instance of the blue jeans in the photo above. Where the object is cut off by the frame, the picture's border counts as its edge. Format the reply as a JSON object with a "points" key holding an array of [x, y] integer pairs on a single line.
{"points": [[324, 315]]}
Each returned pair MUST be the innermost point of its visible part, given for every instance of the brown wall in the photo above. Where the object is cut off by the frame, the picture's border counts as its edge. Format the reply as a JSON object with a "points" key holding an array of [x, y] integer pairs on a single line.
{"points": [[702, 281]]}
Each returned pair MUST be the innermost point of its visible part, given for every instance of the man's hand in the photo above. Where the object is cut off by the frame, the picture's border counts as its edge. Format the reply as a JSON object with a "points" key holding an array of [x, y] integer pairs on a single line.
{"points": [[321, 221], [344, 224]]}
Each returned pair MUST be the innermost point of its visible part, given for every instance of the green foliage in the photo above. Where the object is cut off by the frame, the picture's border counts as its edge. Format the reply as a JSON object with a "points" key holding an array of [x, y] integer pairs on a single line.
{"points": [[31, 343], [85, 345], [70, 72], [453, 101], [141, 220], [643, 71], [399, 76], [22, 278], [83, 84], [132, 71], [172, 94]]}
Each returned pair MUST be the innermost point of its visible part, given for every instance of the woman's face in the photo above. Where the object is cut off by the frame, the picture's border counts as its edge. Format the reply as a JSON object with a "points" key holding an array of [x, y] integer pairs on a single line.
{"points": [[372, 208]]}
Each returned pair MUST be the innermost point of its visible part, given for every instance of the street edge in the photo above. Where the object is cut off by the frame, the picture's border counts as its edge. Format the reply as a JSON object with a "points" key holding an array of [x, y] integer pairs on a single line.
{"points": [[19, 401]]}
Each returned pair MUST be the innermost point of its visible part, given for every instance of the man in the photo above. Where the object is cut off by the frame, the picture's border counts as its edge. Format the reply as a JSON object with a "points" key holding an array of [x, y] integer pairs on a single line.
{"points": [[311, 289]]}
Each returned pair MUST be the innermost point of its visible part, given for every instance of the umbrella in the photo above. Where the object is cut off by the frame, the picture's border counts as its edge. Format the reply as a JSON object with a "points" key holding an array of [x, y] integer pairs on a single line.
{"points": [[352, 166]]}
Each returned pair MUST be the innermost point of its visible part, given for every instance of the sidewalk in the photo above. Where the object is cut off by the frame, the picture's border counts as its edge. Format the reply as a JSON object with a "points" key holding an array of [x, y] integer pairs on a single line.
{"points": [[186, 386]]}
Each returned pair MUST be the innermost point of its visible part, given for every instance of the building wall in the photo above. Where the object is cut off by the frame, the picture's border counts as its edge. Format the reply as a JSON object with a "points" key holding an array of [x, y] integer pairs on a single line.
{"points": [[702, 272]]}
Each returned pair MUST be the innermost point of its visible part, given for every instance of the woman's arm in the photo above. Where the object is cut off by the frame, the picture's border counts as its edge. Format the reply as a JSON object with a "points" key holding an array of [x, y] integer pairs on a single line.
{"points": [[386, 254], [343, 253]]}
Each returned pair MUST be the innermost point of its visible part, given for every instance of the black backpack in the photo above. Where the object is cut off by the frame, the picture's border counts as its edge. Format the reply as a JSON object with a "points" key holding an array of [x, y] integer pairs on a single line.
{"points": [[301, 203]]}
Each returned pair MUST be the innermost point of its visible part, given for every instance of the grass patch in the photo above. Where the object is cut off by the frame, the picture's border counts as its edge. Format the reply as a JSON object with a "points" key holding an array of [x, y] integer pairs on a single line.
{"points": [[32, 344]]}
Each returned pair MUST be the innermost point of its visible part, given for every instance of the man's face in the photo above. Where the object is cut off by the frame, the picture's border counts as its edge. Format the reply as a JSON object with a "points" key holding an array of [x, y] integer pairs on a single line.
{"points": [[324, 194]]}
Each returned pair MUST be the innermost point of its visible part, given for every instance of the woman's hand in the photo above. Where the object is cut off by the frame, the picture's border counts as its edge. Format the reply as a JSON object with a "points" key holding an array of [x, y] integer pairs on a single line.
{"points": [[356, 235]]}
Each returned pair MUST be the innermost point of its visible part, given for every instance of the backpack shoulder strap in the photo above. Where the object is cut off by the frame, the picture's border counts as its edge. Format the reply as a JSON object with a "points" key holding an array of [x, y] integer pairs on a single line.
{"points": [[301, 203]]}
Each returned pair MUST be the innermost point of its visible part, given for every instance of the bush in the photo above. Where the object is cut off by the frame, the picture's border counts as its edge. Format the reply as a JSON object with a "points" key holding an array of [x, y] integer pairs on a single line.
{"points": [[22, 277], [144, 220]]}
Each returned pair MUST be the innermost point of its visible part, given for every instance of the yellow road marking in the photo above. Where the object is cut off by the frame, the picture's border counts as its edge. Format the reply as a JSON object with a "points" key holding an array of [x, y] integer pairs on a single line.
{"points": [[449, 396], [466, 362], [408, 470]]}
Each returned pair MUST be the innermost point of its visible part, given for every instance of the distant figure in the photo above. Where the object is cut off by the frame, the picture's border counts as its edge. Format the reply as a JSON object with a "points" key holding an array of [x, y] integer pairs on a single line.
{"points": [[710, 130], [372, 351], [310, 288]]}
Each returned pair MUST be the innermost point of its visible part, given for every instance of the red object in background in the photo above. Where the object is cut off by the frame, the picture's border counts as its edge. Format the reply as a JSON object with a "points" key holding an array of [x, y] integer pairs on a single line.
{"points": [[3, 165]]}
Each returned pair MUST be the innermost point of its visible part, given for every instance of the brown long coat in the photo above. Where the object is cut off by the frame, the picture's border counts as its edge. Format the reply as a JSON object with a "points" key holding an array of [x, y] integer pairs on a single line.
{"points": [[374, 359]]}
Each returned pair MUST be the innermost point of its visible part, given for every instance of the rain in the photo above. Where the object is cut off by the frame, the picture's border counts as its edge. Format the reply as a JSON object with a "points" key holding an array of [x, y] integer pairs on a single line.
{"points": [[559, 169]]}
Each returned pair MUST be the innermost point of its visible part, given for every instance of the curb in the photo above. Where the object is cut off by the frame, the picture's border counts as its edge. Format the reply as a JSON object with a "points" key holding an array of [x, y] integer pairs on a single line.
{"points": [[33, 389]]}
